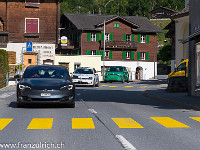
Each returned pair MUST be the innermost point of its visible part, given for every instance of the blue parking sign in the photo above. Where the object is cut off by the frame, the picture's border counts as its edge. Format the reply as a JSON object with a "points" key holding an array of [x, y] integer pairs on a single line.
{"points": [[29, 46]]}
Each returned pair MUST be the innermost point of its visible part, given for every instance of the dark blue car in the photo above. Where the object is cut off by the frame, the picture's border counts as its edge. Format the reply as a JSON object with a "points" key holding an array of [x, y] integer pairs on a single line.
{"points": [[46, 84]]}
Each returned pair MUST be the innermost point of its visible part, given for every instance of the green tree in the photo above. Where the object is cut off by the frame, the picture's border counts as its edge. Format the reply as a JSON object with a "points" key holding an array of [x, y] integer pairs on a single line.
{"points": [[165, 53]]}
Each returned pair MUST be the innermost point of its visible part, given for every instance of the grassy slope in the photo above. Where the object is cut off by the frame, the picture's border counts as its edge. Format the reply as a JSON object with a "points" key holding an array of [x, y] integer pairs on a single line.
{"points": [[161, 24]]}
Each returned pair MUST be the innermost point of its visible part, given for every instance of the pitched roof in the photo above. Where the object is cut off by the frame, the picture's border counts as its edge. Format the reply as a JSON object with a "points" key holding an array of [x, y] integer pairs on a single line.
{"points": [[182, 13], [165, 8], [94, 22]]}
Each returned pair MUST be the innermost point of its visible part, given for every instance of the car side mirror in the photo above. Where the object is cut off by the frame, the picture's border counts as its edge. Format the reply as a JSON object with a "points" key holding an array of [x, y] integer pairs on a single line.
{"points": [[18, 76]]}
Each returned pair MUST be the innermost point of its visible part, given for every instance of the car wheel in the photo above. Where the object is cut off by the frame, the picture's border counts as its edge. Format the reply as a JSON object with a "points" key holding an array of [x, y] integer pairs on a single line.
{"points": [[123, 80], [71, 105], [20, 105], [105, 81], [128, 80]]}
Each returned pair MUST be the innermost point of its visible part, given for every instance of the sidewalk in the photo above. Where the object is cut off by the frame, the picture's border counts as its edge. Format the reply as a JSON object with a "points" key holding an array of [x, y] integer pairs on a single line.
{"points": [[179, 99]]}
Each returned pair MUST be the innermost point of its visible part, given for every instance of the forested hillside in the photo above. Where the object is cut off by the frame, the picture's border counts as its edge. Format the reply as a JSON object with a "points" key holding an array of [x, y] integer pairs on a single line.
{"points": [[119, 7]]}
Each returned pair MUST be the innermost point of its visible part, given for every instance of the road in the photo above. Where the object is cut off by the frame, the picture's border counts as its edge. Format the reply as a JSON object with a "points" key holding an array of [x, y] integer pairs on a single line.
{"points": [[113, 116]]}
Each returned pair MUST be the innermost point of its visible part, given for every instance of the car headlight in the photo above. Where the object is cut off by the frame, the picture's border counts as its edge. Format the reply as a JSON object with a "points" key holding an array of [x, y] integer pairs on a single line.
{"points": [[90, 78], [70, 87], [22, 87]]}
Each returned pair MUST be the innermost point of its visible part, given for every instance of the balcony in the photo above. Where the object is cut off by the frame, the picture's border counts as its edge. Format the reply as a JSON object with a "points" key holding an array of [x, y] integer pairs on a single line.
{"points": [[3, 39], [120, 44]]}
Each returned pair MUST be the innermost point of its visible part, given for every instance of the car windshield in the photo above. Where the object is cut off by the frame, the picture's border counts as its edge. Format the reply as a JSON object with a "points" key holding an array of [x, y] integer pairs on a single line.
{"points": [[46, 72], [115, 69], [83, 71]]}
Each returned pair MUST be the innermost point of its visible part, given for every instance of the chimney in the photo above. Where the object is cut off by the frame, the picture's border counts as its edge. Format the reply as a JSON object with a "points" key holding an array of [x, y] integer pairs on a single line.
{"points": [[186, 3], [99, 11]]}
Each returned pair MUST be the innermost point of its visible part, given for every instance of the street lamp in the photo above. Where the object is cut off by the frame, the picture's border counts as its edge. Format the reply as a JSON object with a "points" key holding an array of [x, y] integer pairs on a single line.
{"points": [[104, 41]]}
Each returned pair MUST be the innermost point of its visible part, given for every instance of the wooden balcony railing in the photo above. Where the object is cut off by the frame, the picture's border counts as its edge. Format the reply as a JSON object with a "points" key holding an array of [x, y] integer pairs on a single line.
{"points": [[120, 44]]}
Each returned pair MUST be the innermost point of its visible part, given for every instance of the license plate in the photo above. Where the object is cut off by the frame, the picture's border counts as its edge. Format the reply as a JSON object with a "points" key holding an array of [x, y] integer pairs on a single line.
{"points": [[45, 94]]}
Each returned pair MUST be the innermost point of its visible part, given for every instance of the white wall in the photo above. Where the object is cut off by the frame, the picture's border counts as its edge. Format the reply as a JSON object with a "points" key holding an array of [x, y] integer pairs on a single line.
{"points": [[17, 47], [93, 61], [148, 67], [182, 32]]}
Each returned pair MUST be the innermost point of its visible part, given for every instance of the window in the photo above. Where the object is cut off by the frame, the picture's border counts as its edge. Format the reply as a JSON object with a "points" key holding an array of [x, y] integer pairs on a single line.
{"points": [[128, 55], [181, 67], [93, 52], [31, 25], [107, 36], [76, 66], [116, 25], [32, 1], [143, 38], [93, 37], [142, 56], [29, 61], [107, 53], [128, 37]]}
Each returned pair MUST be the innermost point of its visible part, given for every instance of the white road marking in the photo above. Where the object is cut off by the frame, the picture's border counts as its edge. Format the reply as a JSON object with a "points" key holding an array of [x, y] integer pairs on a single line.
{"points": [[80, 99], [92, 111], [125, 143], [78, 93], [5, 95]]}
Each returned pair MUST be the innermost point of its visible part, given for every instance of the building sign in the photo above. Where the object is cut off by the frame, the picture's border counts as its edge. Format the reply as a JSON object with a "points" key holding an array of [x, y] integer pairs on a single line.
{"points": [[29, 46], [46, 53], [64, 41]]}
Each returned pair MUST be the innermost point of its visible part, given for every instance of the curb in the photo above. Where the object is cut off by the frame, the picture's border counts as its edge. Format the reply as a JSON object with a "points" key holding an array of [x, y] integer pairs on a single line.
{"points": [[169, 101], [6, 87]]}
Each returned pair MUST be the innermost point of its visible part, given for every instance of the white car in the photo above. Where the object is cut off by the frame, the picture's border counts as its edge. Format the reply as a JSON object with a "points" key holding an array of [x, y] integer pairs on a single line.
{"points": [[85, 76]]}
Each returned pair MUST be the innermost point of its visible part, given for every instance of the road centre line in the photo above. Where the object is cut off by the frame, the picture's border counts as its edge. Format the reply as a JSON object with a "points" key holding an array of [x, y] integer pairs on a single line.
{"points": [[92, 111], [126, 144]]}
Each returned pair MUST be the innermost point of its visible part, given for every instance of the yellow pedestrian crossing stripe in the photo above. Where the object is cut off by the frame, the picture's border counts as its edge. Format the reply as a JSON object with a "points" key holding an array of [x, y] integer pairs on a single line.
{"points": [[128, 86], [143, 86], [169, 122], [41, 123], [126, 123], [87, 123], [196, 118], [82, 123], [4, 122]]}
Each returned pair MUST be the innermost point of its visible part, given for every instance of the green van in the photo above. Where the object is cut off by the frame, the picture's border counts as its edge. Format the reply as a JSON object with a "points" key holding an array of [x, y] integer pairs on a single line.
{"points": [[117, 73]]}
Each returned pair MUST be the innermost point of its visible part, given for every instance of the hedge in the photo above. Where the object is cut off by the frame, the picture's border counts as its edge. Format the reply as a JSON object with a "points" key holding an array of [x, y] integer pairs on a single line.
{"points": [[4, 67]]}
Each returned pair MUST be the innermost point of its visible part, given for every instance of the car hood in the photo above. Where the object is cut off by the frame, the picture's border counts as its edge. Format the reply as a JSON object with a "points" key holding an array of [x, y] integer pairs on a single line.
{"points": [[84, 75], [45, 83]]}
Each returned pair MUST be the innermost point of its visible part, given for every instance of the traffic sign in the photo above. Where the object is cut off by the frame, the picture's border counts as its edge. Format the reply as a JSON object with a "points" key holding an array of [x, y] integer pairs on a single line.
{"points": [[29, 46]]}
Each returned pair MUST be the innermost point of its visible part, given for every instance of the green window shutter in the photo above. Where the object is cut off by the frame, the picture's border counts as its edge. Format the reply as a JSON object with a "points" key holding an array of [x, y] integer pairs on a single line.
{"points": [[88, 36], [132, 54], [147, 55], [88, 52], [117, 25], [123, 54], [132, 37], [78, 53], [97, 52], [124, 37], [111, 55], [147, 36], [102, 54], [97, 37], [102, 36], [138, 38], [111, 36], [138, 55]]}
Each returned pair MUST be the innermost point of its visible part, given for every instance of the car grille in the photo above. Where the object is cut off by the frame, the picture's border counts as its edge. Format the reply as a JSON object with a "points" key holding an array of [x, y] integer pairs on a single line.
{"points": [[42, 99]]}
